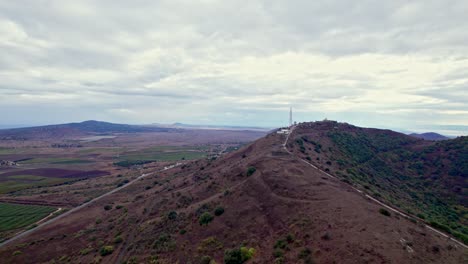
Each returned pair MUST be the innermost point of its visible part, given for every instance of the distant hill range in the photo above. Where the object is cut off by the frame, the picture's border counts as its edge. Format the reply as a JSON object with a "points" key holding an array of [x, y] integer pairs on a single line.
{"points": [[213, 127], [429, 136], [85, 128]]}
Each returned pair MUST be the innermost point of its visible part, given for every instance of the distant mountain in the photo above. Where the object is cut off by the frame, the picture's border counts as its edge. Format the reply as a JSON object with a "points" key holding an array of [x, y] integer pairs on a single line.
{"points": [[74, 129], [214, 127], [105, 127], [429, 136]]}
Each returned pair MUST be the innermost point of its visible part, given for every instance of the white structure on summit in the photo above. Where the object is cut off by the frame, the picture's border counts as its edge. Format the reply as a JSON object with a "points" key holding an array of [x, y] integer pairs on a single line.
{"points": [[286, 130]]}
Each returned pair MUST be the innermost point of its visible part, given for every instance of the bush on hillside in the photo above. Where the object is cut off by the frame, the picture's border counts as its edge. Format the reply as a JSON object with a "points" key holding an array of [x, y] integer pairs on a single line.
{"points": [[251, 170], [172, 215], [219, 211], [384, 212], [238, 255], [106, 250], [205, 218]]}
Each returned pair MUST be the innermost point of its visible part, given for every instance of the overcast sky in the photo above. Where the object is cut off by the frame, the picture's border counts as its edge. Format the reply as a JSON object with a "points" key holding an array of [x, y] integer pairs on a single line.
{"points": [[398, 64]]}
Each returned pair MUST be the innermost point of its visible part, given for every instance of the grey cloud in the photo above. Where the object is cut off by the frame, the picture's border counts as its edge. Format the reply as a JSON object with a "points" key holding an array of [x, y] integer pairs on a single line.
{"points": [[131, 61]]}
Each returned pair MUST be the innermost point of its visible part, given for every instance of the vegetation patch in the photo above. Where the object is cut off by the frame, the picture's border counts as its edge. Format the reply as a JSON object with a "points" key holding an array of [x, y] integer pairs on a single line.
{"points": [[251, 170], [106, 250], [130, 163], [238, 255], [210, 244], [164, 243], [205, 218], [219, 211], [384, 212], [172, 215]]}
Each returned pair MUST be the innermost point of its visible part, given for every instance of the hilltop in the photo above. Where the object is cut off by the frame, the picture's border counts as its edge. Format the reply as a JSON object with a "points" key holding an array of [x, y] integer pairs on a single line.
{"points": [[263, 202]]}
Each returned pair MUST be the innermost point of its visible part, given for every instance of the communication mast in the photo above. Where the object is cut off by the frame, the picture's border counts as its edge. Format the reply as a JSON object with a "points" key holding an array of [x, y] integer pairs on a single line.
{"points": [[290, 117]]}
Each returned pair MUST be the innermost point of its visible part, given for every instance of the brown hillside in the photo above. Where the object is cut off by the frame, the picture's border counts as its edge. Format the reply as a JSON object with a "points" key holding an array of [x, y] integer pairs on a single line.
{"points": [[286, 210]]}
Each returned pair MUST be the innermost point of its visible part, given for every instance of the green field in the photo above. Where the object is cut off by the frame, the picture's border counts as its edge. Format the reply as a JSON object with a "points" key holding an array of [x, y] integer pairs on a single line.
{"points": [[20, 182], [101, 150], [165, 153], [55, 161], [164, 156], [7, 150], [14, 216]]}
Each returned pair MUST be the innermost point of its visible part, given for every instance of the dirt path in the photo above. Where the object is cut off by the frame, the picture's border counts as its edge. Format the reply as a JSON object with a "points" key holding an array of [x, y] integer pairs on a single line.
{"points": [[49, 216], [368, 196], [27, 232]]}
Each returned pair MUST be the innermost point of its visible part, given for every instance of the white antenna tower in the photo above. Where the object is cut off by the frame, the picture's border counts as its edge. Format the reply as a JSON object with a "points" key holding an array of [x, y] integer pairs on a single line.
{"points": [[290, 116]]}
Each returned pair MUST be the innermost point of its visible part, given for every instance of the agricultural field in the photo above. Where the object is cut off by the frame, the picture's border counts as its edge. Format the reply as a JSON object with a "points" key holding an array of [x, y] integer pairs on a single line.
{"points": [[55, 161], [36, 178], [27, 181], [166, 153], [16, 216]]}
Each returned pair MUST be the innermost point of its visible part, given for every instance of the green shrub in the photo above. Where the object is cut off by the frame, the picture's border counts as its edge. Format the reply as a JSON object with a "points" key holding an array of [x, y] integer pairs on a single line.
{"points": [[164, 243], [209, 244], [302, 149], [251, 170], [462, 237], [107, 207], [304, 253], [233, 256], [182, 231], [106, 250], [384, 212], [205, 260], [172, 215], [118, 239], [85, 251], [440, 226], [281, 243], [279, 260], [421, 216], [300, 142], [219, 211], [238, 255], [247, 253], [205, 218], [17, 252]]}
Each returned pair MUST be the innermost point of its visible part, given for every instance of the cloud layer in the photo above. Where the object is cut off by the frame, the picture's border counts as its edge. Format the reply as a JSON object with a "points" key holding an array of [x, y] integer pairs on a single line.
{"points": [[398, 64]]}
